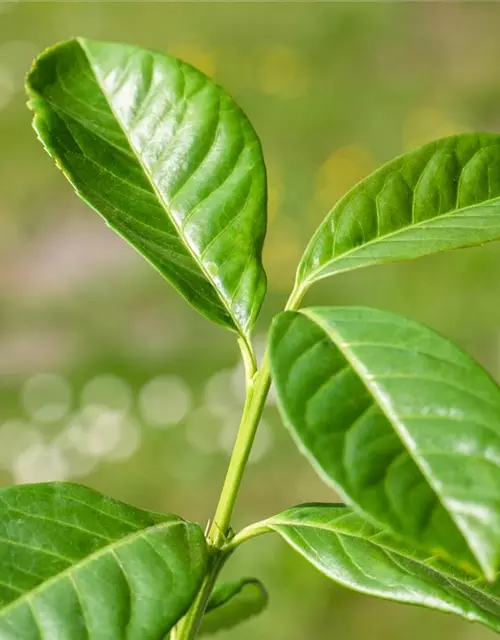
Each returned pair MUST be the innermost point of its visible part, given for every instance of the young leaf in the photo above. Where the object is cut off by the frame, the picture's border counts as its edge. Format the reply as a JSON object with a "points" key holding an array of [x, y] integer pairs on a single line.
{"points": [[232, 603], [402, 423], [168, 160], [76, 564], [445, 195], [349, 550]]}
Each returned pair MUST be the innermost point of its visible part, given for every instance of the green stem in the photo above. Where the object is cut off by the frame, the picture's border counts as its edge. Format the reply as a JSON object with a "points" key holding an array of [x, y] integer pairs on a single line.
{"points": [[257, 384], [252, 531], [254, 405], [189, 626], [257, 390]]}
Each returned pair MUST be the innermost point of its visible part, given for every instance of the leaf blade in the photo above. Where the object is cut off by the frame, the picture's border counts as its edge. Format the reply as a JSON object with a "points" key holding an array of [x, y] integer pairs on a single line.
{"points": [[443, 196], [168, 160], [351, 551], [233, 603], [79, 564], [390, 413]]}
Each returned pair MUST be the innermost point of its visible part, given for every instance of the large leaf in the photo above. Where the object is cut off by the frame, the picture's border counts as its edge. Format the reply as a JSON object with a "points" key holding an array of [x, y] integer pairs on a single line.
{"points": [[232, 603], [445, 195], [78, 565], [362, 557], [168, 160], [400, 421]]}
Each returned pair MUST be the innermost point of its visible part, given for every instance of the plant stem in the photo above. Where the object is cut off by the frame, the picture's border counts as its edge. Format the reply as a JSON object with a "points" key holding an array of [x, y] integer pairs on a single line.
{"points": [[257, 390], [257, 385], [252, 531], [254, 405], [188, 627]]}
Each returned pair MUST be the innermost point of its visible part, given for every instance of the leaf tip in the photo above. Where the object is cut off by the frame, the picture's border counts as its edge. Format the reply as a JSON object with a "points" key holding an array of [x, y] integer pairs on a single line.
{"points": [[489, 571]]}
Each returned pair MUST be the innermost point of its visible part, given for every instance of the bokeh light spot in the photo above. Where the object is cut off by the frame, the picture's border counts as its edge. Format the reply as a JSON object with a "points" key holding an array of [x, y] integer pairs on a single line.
{"points": [[281, 71], [104, 433], [80, 463], [40, 463], [200, 58], [218, 393], [341, 170], [425, 124], [129, 443], [203, 428], [108, 391], [101, 434], [16, 437], [46, 397], [164, 401]]}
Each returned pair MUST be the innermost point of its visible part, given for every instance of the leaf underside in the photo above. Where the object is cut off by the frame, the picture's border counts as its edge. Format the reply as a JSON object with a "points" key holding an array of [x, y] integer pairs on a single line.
{"points": [[78, 565], [168, 160], [233, 603], [403, 424], [445, 195], [354, 553]]}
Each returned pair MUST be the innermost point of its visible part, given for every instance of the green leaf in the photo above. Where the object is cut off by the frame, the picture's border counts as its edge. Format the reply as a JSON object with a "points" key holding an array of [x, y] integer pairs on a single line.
{"points": [[232, 603], [445, 195], [401, 422], [349, 550], [168, 160], [76, 564]]}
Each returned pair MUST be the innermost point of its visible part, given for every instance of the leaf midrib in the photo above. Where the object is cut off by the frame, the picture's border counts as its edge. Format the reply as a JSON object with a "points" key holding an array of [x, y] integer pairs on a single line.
{"points": [[320, 273], [160, 198], [393, 419], [79, 564]]}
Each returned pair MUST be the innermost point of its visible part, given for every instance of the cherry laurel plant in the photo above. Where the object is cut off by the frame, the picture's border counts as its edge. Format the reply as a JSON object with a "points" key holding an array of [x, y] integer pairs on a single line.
{"points": [[402, 424]]}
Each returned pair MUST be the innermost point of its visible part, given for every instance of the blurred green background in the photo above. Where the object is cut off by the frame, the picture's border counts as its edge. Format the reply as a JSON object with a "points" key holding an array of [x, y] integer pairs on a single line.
{"points": [[109, 378]]}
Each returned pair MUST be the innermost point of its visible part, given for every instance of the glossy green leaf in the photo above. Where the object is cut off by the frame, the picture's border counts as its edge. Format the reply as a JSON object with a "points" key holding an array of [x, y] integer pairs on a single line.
{"points": [[78, 565], [232, 603], [349, 550], [445, 195], [400, 421], [168, 160]]}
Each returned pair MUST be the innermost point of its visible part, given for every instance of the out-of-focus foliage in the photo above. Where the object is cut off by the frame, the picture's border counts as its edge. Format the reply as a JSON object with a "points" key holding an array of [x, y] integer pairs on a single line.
{"points": [[98, 376]]}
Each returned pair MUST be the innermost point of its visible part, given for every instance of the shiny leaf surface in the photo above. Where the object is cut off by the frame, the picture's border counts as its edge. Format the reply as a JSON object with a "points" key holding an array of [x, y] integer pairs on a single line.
{"points": [[445, 195], [351, 551], [232, 603], [76, 564], [400, 421], [168, 160]]}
